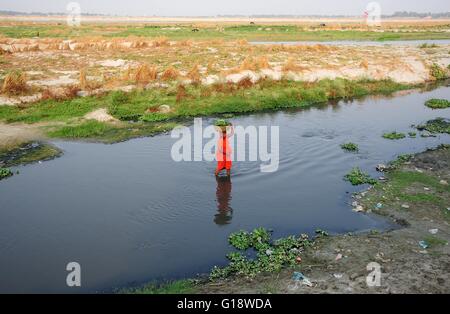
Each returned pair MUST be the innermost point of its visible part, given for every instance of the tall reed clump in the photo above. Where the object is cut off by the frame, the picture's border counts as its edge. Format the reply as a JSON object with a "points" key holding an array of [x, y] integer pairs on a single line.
{"points": [[145, 73], [170, 74], [15, 83]]}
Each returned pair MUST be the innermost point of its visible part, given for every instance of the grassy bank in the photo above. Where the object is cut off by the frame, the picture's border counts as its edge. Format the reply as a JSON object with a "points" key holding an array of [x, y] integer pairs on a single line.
{"points": [[138, 113]]}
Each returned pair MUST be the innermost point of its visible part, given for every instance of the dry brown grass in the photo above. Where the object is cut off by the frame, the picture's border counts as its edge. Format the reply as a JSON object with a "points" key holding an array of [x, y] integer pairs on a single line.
{"points": [[181, 92], [83, 80], [242, 42], [248, 64], [194, 74], [245, 82], [292, 66], [161, 42], [171, 73], [145, 73], [60, 93], [263, 62], [364, 64], [15, 83]]}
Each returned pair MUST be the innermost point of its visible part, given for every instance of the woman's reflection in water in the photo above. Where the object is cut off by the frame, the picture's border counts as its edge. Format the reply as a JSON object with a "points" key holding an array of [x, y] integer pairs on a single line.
{"points": [[223, 197]]}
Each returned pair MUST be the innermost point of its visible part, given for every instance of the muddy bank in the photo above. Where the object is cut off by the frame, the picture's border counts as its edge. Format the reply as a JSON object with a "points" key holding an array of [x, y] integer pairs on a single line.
{"points": [[28, 152], [414, 257]]}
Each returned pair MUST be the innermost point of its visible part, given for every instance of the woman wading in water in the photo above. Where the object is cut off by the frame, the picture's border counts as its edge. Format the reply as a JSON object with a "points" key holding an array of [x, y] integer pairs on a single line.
{"points": [[224, 151]]}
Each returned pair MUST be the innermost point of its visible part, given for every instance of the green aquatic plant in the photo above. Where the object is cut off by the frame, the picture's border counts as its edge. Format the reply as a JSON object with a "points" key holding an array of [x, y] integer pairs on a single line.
{"points": [[438, 125], [241, 240], [5, 173], [437, 103], [351, 147], [270, 256], [357, 177], [412, 134], [394, 135], [221, 122]]}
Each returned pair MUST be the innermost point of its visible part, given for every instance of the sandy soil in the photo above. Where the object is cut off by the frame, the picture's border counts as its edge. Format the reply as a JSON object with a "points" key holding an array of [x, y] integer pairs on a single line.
{"points": [[14, 134], [338, 264]]}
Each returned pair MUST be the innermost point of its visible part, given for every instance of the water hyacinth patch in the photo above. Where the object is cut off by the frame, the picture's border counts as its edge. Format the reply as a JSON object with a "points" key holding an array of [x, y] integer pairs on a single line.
{"points": [[438, 125], [437, 103], [270, 256], [5, 173], [357, 177], [351, 147], [394, 136]]}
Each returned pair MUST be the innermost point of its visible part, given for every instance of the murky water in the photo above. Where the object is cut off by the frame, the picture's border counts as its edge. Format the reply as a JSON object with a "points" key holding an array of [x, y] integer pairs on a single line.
{"points": [[128, 213]]}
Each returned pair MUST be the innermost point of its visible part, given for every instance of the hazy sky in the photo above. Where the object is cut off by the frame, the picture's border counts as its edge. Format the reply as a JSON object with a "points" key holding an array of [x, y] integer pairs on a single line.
{"points": [[216, 7]]}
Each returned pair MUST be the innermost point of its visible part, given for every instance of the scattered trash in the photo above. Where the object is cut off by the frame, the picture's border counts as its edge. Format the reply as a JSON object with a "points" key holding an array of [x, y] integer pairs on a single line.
{"points": [[298, 259], [298, 276], [382, 178], [337, 276], [358, 209], [269, 252], [381, 167], [423, 244], [338, 257], [379, 205], [426, 189], [433, 231], [406, 206], [355, 203], [443, 182]]}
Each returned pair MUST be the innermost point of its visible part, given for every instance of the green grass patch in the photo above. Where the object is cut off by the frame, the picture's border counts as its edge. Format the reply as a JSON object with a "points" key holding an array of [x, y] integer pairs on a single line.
{"points": [[437, 103], [110, 133], [394, 136], [357, 177], [352, 147], [174, 287], [434, 241], [438, 72], [84, 130]]}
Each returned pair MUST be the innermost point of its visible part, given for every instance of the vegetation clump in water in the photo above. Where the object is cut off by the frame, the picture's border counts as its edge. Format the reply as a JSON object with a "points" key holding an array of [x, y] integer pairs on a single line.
{"points": [[358, 177], [28, 153], [394, 136], [270, 255], [438, 125], [437, 103], [351, 147], [5, 173]]}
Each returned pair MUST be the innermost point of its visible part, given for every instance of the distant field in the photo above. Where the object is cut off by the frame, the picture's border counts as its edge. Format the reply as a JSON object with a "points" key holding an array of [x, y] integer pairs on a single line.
{"points": [[227, 29]]}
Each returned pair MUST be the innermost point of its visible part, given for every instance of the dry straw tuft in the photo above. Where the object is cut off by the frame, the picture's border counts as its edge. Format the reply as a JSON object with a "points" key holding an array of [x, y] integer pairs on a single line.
{"points": [[15, 83], [170, 74]]}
